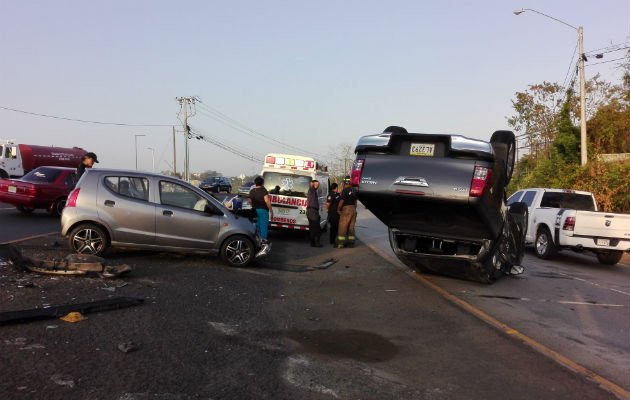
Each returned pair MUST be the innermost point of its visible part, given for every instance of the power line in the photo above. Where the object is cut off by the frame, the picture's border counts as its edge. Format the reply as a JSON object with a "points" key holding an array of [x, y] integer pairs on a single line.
{"points": [[81, 120], [611, 48], [570, 66], [222, 145], [608, 61], [229, 121]]}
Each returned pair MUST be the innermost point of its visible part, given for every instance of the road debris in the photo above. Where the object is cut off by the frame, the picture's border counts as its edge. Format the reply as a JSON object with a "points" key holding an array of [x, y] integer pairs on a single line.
{"points": [[326, 264], [11, 317], [72, 264], [63, 380], [73, 317], [128, 347]]}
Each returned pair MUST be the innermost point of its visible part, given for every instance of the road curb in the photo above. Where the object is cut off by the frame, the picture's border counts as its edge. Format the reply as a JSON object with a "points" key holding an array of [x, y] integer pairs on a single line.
{"points": [[605, 384]]}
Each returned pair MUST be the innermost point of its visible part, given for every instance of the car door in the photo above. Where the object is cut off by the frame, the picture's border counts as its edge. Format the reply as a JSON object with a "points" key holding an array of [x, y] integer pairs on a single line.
{"points": [[528, 198], [123, 204], [181, 219]]}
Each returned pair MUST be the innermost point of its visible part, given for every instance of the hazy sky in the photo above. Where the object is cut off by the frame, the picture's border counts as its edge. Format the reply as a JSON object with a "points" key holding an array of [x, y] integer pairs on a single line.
{"points": [[311, 74]]}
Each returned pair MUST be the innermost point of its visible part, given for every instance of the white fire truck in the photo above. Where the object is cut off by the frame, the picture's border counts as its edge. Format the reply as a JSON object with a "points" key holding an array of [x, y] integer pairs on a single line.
{"points": [[287, 179]]}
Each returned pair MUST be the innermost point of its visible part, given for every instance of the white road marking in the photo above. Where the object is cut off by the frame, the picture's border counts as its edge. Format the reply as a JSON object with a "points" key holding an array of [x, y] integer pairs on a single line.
{"points": [[593, 283], [586, 303]]}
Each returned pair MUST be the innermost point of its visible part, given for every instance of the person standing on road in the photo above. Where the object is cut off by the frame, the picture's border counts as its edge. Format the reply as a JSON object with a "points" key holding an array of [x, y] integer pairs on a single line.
{"points": [[332, 201], [347, 210], [261, 203], [87, 161], [312, 214]]}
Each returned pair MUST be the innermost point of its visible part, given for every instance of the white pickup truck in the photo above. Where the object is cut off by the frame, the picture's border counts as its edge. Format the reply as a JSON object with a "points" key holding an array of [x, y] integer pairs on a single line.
{"points": [[563, 218]]}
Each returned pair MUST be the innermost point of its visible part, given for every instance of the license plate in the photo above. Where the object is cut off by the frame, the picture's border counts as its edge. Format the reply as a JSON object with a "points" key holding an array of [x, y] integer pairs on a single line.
{"points": [[12, 189], [603, 242], [422, 149]]}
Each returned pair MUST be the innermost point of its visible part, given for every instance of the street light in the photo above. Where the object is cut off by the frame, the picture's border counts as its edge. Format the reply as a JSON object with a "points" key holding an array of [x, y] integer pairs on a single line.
{"points": [[582, 58], [152, 158], [136, 141]]}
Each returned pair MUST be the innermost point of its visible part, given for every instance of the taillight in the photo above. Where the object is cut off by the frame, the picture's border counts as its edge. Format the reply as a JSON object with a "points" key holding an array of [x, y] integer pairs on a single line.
{"points": [[482, 178], [357, 170], [72, 199], [569, 224], [30, 191]]}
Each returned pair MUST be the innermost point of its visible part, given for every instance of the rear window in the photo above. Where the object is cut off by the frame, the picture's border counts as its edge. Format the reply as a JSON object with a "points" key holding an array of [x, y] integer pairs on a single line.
{"points": [[133, 187], [42, 174], [287, 184], [574, 201]]}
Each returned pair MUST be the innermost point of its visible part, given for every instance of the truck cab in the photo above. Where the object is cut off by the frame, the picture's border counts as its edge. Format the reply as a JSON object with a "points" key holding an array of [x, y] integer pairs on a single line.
{"points": [[9, 163]]}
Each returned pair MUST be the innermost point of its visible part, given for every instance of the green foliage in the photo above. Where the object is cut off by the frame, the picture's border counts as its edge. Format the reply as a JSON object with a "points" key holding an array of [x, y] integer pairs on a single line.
{"points": [[546, 122]]}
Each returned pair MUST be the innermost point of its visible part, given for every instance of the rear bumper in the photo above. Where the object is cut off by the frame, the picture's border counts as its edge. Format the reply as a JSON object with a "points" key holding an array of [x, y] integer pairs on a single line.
{"points": [[18, 200], [590, 243]]}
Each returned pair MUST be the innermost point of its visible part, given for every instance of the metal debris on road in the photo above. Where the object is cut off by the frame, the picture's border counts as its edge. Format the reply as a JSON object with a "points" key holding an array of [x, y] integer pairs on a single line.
{"points": [[11, 317]]}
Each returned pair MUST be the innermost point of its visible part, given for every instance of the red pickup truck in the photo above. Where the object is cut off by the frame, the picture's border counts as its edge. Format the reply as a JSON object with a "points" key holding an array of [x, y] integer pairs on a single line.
{"points": [[43, 187]]}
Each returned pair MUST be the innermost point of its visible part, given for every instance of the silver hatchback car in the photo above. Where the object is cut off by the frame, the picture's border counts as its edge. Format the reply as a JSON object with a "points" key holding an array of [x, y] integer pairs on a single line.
{"points": [[138, 210]]}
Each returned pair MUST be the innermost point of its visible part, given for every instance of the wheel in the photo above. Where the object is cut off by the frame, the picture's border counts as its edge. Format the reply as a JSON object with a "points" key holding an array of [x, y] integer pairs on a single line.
{"points": [[58, 206], [229, 190], [238, 251], [88, 239], [611, 257], [504, 146], [544, 246], [25, 210], [3, 174]]}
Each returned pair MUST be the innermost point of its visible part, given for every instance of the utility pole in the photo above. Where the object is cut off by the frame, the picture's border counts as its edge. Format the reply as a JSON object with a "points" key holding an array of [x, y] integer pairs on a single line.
{"points": [[174, 155], [185, 103], [583, 148]]}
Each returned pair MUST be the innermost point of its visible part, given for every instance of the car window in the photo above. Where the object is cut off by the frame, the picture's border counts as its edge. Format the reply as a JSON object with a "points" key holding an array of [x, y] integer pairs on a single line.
{"points": [[514, 198], [176, 195], [133, 187], [529, 198], [42, 174], [572, 201]]}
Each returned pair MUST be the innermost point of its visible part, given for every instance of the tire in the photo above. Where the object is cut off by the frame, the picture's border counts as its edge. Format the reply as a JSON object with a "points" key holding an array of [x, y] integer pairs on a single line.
{"points": [[238, 251], [504, 146], [25, 210], [58, 206], [88, 239], [3, 174], [611, 257], [229, 190], [543, 246]]}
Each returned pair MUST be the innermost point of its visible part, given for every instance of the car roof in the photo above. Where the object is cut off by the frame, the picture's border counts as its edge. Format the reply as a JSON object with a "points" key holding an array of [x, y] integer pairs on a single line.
{"points": [[127, 172], [55, 167]]}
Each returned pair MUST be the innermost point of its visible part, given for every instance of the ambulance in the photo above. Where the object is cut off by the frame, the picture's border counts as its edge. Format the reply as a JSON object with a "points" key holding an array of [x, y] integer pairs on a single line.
{"points": [[287, 179]]}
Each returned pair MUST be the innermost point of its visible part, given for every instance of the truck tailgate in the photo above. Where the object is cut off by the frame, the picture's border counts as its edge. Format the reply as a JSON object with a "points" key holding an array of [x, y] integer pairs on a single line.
{"points": [[428, 195], [602, 224]]}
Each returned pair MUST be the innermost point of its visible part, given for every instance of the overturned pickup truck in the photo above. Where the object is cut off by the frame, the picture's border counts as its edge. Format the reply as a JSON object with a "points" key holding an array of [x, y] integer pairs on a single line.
{"points": [[443, 199]]}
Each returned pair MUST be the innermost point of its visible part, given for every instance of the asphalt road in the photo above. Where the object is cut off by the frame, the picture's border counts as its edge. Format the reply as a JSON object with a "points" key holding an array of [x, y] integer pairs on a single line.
{"points": [[284, 329], [571, 304], [15, 225]]}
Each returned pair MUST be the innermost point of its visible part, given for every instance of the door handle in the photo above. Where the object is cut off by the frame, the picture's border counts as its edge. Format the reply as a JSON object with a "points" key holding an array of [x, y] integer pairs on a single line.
{"points": [[411, 181], [167, 213], [110, 203]]}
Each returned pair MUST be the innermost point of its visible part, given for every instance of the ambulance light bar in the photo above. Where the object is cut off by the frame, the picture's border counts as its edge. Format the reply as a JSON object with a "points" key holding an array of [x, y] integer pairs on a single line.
{"points": [[290, 162]]}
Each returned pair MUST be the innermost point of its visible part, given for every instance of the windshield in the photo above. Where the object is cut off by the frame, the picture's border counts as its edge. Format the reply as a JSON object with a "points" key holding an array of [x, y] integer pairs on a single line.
{"points": [[287, 184], [41, 174]]}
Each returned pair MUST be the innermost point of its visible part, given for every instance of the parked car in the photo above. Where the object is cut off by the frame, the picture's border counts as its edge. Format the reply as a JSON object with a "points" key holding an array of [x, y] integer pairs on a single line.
{"points": [[216, 184], [43, 187], [568, 219], [244, 189], [443, 200], [118, 208]]}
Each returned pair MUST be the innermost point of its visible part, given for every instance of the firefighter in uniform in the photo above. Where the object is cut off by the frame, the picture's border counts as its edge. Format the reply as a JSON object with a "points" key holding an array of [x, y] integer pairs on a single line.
{"points": [[332, 201], [347, 210]]}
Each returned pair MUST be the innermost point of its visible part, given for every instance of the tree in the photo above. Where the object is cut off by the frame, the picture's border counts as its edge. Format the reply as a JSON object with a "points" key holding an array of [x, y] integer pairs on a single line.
{"points": [[340, 161]]}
